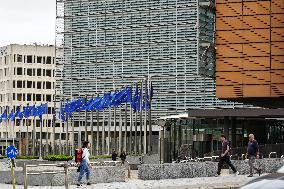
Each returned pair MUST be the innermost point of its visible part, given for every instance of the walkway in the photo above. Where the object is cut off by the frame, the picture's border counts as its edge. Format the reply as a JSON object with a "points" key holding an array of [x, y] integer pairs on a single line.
{"points": [[222, 182]]}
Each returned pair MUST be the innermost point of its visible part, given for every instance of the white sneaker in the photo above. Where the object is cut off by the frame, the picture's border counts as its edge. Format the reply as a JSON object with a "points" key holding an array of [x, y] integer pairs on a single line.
{"points": [[237, 173]]}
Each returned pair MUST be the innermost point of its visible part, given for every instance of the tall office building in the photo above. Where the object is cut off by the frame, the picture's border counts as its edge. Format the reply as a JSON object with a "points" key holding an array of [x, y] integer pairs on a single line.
{"points": [[110, 44], [27, 78]]}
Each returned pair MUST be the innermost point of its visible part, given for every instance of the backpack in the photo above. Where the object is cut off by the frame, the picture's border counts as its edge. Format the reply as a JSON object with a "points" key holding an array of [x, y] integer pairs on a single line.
{"points": [[78, 155]]}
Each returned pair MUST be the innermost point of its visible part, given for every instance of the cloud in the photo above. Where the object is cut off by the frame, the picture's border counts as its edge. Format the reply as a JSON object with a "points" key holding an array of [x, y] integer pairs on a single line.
{"points": [[27, 21]]}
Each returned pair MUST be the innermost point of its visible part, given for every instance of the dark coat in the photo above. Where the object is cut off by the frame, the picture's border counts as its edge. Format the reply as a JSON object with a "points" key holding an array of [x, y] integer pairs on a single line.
{"points": [[123, 157], [113, 156]]}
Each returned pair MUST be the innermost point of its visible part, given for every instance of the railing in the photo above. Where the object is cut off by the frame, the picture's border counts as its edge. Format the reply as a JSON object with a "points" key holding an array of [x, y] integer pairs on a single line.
{"points": [[272, 153], [26, 173], [263, 149]]}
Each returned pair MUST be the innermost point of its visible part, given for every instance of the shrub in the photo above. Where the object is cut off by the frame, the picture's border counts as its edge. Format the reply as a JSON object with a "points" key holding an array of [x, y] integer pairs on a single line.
{"points": [[27, 157], [58, 158]]}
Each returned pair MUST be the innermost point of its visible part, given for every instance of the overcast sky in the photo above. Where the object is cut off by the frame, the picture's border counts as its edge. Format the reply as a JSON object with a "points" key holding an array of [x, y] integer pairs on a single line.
{"points": [[27, 21]]}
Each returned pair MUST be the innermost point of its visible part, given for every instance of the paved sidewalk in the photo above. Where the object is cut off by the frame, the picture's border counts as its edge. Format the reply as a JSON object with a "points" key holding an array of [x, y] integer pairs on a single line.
{"points": [[229, 181]]}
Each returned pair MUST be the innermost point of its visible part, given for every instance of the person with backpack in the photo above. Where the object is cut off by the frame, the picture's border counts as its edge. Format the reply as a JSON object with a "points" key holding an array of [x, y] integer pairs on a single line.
{"points": [[225, 158], [253, 153], [84, 166]]}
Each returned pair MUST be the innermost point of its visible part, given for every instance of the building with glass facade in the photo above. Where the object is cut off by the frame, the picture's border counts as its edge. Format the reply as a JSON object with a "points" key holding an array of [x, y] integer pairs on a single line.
{"points": [[110, 44]]}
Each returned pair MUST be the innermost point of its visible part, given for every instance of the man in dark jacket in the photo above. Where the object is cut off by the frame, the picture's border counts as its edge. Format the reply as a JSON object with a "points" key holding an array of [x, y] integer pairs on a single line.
{"points": [[113, 155], [225, 158], [123, 157], [253, 153]]}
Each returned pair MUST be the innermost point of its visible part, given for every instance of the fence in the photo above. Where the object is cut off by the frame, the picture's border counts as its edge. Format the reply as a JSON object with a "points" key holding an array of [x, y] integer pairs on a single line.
{"points": [[26, 173]]}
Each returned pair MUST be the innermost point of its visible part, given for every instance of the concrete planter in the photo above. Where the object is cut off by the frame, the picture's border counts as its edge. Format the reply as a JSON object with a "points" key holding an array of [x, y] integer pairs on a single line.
{"points": [[98, 175], [200, 169]]}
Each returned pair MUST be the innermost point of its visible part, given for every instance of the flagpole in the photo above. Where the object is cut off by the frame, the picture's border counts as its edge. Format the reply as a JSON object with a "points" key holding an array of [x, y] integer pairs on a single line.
{"points": [[9, 124], [73, 135], [141, 121], [92, 130], [40, 137], [114, 129], [150, 118], [125, 129], [20, 135], [108, 133], [66, 135], [53, 123], [61, 125], [135, 134], [80, 130], [98, 129], [6, 121], [98, 132], [120, 131], [86, 120], [103, 133], [34, 134], [47, 132], [130, 132], [145, 120], [13, 128], [27, 134]]}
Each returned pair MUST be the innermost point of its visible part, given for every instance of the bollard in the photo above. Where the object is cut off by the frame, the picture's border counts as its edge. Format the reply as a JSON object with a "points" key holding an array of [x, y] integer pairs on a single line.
{"points": [[128, 172], [13, 173], [25, 176], [66, 176]]}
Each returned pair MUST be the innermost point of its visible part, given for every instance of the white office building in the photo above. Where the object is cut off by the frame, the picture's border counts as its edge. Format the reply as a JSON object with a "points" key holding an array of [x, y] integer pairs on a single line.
{"points": [[26, 78]]}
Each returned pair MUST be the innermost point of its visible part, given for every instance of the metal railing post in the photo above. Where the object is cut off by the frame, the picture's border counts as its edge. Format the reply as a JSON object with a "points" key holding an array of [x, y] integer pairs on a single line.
{"points": [[243, 156], [272, 153], [66, 176], [25, 176]]}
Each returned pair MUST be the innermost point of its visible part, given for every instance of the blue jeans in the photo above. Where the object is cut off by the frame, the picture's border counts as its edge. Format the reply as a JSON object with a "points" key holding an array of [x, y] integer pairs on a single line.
{"points": [[84, 167]]}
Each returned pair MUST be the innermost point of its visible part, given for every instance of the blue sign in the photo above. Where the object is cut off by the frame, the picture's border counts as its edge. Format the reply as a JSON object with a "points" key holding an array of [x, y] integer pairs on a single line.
{"points": [[11, 152]]}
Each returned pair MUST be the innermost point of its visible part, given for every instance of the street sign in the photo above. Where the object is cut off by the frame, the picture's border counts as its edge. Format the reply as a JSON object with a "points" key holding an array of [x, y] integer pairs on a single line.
{"points": [[11, 152]]}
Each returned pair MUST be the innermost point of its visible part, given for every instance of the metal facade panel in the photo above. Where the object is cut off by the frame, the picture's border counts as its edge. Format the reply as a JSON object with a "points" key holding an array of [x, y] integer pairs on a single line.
{"points": [[250, 46], [256, 91]]}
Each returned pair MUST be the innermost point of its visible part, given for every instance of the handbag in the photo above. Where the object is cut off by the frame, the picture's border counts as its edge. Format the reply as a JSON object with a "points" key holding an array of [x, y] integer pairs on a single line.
{"points": [[78, 169]]}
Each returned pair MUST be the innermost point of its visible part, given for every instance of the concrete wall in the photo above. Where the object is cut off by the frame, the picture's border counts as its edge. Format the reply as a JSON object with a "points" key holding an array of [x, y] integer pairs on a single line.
{"points": [[98, 175], [199, 169]]}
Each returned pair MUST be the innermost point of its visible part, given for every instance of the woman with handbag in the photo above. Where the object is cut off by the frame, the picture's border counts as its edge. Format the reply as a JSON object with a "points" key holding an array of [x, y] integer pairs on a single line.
{"points": [[84, 166]]}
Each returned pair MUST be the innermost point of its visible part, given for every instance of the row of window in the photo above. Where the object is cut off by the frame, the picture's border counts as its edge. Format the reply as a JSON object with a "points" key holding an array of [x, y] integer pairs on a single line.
{"points": [[34, 72], [33, 59], [33, 84], [32, 97]]}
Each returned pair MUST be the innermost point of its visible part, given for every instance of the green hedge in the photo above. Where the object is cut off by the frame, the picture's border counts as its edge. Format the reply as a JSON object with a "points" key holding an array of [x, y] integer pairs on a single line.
{"points": [[58, 158], [27, 157]]}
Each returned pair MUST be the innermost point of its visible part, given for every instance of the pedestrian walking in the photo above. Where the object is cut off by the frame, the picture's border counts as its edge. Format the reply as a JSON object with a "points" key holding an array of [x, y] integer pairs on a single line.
{"points": [[252, 154], [84, 166], [113, 155], [224, 158], [123, 157]]}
